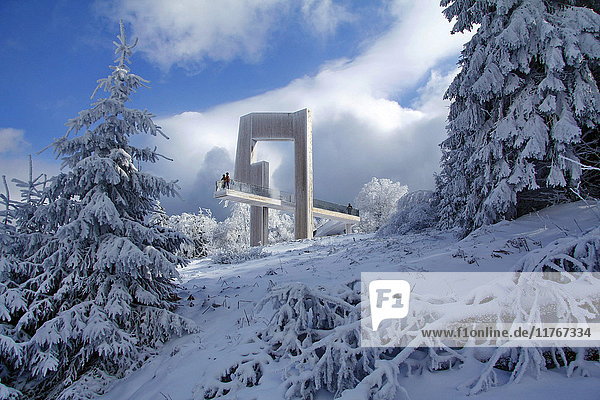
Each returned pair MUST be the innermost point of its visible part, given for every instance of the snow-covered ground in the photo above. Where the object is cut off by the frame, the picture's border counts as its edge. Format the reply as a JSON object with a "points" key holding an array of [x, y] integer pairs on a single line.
{"points": [[223, 298]]}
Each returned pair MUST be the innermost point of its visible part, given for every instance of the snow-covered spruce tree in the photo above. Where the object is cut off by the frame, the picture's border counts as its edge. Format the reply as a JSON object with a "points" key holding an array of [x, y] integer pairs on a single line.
{"points": [[377, 202], [10, 353], [99, 290], [302, 317], [18, 239], [525, 101]]}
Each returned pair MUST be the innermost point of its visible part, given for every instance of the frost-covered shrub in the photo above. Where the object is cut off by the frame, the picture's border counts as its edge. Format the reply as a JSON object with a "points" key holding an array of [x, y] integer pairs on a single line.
{"points": [[198, 227], [523, 361], [245, 373], [571, 254], [377, 201], [233, 234], [233, 256], [414, 213], [315, 334], [565, 254], [281, 226], [300, 312], [299, 316]]}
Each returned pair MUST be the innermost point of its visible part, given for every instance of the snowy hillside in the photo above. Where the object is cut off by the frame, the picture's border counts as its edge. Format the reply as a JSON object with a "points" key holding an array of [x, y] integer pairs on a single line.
{"points": [[226, 359]]}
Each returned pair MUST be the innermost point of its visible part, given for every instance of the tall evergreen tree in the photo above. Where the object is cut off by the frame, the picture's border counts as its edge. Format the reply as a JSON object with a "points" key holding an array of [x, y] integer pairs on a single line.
{"points": [[525, 109], [93, 290]]}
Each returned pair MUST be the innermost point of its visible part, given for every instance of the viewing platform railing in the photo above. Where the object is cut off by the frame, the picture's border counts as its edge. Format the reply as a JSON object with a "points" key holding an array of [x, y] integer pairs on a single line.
{"points": [[283, 196]]}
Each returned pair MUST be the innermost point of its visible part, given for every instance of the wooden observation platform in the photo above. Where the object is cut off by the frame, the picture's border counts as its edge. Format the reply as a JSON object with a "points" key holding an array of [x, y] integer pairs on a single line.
{"points": [[279, 126]]}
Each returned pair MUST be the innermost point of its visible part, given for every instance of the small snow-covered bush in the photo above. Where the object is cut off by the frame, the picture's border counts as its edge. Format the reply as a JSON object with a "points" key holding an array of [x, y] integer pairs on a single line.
{"points": [[300, 313], [318, 330], [233, 234], [231, 237], [247, 372], [298, 317], [377, 201], [566, 254], [414, 213], [316, 333], [281, 226], [232, 256], [569, 254], [198, 227]]}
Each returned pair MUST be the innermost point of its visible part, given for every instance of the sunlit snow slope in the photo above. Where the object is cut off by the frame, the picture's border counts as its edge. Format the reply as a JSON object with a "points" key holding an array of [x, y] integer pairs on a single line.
{"points": [[224, 297]]}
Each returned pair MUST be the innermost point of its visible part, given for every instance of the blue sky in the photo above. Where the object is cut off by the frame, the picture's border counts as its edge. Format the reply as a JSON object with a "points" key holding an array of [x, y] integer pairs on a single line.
{"points": [[373, 74]]}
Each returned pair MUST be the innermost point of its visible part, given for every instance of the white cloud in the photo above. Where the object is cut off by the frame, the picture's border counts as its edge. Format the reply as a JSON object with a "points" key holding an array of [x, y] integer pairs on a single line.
{"points": [[12, 140], [189, 32], [324, 16], [360, 129]]}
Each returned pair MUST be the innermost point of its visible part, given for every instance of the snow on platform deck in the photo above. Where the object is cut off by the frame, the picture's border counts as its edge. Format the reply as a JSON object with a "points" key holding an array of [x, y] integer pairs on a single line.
{"points": [[280, 203]]}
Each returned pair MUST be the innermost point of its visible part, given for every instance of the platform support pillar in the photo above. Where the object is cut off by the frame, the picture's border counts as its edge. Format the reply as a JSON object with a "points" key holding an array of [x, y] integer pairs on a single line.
{"points": [[259, 216]]}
